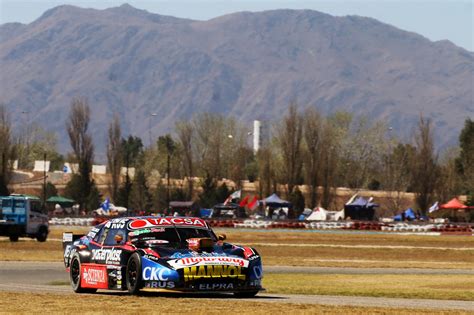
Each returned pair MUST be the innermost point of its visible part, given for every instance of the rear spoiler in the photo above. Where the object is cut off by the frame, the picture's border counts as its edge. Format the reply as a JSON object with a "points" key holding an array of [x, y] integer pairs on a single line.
{"points": [[69, 238]]}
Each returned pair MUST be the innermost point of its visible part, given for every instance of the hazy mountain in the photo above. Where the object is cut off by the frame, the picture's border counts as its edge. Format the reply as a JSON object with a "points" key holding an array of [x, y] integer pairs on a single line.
{"points": [[250, 65]]}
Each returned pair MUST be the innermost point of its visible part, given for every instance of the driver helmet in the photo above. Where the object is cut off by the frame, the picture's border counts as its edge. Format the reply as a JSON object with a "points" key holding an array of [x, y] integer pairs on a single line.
{"points": [[119, 237]]}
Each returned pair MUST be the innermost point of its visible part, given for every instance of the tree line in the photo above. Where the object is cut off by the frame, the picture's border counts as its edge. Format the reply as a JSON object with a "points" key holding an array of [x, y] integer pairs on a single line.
{"points": [[322, 152]]}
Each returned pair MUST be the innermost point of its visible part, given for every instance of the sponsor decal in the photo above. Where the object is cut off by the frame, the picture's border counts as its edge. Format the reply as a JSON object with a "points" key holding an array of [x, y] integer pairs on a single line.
{"points": [[93, 232], [248, 252], [109, 255], [151, 271], [151, 257], [116, 223], [151, 222], [160, 285], [156, 273], [67, 237], [145, 231], [257, 270], [94, 277], [255, 283], [215, 286], [209, 272], [201, 261]]}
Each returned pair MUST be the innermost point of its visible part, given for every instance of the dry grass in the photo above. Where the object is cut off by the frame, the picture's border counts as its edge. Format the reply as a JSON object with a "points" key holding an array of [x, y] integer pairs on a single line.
{"points": [[14, 303], [301, 256], [440, 287], [345, 238]]}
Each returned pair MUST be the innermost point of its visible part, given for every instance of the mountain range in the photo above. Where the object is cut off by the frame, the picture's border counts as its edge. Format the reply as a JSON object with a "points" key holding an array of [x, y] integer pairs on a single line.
{"points": [[247, 65]]}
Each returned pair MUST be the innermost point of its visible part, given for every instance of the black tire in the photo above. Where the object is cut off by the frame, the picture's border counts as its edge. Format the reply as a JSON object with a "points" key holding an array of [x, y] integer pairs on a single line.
{"points": [[134, 274], [75, 276], [42, 234], [14, 238], [246, 294]]}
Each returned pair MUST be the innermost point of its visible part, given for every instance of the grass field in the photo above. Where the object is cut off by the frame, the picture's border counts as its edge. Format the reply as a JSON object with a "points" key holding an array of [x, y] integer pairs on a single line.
{"points": [[301, 249], [14, 303], [439, 287]]}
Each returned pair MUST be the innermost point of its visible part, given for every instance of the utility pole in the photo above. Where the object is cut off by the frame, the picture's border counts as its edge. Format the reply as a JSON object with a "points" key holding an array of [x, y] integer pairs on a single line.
{"points": [[44, 181], [27, 138], [149, 126]]}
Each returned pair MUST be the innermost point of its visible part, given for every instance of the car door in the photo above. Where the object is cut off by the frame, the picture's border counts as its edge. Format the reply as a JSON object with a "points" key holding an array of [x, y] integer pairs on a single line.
{"points": [[105, 249]]}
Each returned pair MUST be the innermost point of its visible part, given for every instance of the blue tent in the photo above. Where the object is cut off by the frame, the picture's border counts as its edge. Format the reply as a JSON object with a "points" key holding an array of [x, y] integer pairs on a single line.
{"points": [[408, 214], [205, 213]]}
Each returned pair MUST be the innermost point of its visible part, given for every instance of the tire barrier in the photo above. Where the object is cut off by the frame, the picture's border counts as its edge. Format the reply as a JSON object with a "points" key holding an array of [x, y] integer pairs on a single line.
{"points": [[397, 227], [72, 221]]}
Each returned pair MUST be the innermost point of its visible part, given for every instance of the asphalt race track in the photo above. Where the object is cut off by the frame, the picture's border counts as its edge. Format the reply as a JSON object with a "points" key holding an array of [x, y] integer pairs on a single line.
{"points": [[39, 276]]}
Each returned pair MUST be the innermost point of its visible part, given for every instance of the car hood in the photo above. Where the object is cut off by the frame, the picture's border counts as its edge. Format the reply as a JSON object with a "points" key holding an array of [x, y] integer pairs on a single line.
{"points": [[208, 261]]}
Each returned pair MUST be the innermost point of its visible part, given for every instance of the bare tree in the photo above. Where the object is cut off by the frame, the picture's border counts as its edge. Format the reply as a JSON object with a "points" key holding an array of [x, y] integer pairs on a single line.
{"points": [[425, 170], [266, 172], [209, 140], [81, 143], [396, 172], [312, 137], [185, 133], [7, 152], [114, 155], [289, 140], [329, 162]]}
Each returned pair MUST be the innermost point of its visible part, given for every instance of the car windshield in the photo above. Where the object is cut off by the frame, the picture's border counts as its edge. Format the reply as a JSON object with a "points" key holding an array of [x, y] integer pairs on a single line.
{"points": [[170, 236]]}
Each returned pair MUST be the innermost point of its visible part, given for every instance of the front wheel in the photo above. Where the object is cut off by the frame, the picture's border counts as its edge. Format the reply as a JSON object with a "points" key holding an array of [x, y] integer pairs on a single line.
{"points": [[75, 276], [134, 275], [14, 238], [246, 294]]}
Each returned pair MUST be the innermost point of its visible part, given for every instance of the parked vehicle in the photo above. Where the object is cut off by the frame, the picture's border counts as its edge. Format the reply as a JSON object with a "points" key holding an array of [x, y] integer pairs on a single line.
{"points": [[23, 215]]}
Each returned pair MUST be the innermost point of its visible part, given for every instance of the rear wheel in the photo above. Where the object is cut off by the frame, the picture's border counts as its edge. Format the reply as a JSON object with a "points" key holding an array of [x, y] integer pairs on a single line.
{"points": [[134, 275], [75, 276], [42, 234], [14, 238], [247, 294]]}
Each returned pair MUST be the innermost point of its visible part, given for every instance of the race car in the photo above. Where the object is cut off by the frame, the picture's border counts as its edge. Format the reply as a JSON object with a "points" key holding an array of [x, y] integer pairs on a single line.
{"points": [[160, 253]]}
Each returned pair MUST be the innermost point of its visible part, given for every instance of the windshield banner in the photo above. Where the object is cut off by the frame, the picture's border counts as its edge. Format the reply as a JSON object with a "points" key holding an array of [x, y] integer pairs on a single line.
{"points": [[151, 222]]}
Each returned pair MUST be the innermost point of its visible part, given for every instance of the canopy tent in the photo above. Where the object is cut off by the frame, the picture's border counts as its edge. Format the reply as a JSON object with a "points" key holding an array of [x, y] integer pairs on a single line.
{"points": [[272, 203], [59, 205], [59, 199], [453, 204], [321, 214], [360, 209], [274, 200], [362, 202], [408, 214]]}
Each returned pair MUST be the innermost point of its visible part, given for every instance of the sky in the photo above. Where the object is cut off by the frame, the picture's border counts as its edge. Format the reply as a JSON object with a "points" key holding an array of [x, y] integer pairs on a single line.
{"points": [[435, 19]]}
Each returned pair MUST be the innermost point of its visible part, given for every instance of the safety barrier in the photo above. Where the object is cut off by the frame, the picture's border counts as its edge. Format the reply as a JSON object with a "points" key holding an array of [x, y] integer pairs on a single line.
{"points": [[399, 227]]}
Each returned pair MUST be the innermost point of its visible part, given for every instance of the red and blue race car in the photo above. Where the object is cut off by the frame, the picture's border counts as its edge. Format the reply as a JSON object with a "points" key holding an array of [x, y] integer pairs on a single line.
{"points": [[160, 253]]}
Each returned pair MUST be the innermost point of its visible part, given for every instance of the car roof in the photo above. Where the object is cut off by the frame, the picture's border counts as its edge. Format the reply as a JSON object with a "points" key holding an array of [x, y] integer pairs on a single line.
{"points": [[134, 223]]}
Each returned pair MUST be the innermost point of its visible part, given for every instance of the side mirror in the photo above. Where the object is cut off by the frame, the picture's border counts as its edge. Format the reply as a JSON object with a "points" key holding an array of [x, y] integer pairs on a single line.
{"points": [[221, 237]]}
